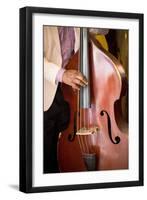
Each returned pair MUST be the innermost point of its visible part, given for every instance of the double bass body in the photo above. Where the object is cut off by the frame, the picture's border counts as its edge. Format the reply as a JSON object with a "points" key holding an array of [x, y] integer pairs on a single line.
{"points": [[110, 142]]}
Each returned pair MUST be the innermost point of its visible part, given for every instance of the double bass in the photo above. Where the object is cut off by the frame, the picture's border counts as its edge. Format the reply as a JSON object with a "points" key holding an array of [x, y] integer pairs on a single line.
{"points": [[97, 135]]}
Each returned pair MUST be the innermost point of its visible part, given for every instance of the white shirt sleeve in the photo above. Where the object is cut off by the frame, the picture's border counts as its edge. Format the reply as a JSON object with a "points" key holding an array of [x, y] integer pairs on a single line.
{"points": [[50, 71]]}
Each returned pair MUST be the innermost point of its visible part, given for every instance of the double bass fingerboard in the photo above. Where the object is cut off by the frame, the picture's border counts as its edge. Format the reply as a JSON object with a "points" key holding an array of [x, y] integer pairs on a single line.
{"points": [[84, 68]]}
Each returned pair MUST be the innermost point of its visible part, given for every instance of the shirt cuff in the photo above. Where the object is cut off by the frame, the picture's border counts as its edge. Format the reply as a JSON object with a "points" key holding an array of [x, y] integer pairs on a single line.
{"points": [[59, 75]]}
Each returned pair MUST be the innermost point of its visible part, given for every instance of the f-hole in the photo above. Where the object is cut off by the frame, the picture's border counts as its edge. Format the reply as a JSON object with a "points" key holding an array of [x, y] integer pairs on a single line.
{"points": [[117, 138]]}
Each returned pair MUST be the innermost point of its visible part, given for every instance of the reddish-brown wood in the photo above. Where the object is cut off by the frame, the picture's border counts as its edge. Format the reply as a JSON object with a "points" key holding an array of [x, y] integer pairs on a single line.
{"points": [[107, 88]]}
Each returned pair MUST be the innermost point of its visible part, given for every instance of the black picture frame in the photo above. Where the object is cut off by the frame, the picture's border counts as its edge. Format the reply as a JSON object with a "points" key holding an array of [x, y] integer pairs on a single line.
{"points": [[26, 170]]}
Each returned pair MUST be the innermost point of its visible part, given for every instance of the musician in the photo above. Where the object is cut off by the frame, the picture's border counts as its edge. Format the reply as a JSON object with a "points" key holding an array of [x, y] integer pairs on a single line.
{"points": [[60, 43]]}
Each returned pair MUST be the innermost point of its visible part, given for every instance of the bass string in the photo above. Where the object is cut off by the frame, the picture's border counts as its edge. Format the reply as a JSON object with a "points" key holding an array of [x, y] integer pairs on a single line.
{"points": [[82, 137], [83, 126], [79, 124], [86, 127]]}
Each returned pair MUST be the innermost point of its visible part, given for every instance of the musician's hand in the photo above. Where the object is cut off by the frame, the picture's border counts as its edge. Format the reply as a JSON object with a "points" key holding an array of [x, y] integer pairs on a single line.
{"points": [[74, 78]]}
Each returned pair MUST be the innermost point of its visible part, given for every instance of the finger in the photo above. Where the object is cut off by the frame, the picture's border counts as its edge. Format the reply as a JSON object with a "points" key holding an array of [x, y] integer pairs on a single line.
{"points": [[82, 78], [74, 86], [75, 90], [78, 82]]}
